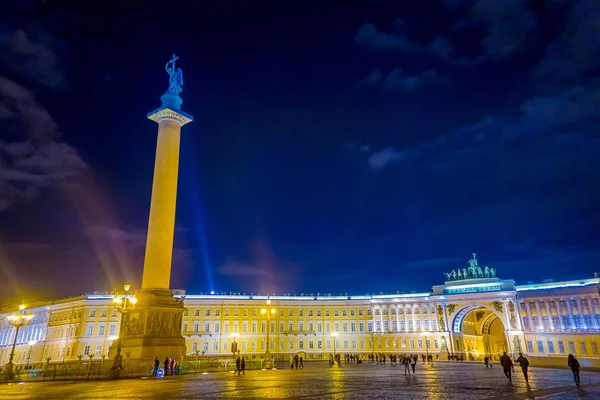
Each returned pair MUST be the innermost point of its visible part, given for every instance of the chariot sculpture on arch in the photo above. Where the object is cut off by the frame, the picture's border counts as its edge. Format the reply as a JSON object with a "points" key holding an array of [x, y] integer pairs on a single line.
{"points": [[175, 76], [473, 272]]}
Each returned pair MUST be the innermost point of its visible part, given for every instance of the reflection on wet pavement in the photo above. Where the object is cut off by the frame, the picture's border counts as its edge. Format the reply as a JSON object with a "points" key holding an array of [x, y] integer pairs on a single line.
{"points": [[318, 380]]}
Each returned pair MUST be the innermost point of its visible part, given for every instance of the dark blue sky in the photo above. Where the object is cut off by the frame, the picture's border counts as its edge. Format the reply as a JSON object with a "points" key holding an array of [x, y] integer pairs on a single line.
{"points": [[337, 147]]}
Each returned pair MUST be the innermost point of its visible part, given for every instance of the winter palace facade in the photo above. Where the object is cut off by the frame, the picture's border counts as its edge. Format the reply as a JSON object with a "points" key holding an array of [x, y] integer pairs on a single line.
{"points": [[472, 314]]}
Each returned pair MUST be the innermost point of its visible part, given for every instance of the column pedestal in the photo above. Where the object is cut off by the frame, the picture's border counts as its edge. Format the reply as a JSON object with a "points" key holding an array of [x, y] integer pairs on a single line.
{"points": [[153, 328]]}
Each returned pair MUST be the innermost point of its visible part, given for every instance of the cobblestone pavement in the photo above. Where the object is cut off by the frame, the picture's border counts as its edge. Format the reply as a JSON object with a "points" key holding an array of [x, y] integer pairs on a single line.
{"points": [[319, 381]]}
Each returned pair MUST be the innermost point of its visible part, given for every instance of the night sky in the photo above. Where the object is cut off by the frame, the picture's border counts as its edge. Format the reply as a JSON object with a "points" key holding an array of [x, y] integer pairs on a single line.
{"points": [[337, 147]]}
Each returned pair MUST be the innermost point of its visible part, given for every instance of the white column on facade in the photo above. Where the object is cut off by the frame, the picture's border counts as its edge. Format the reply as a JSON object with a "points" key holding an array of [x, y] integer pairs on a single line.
{"points": [[593, 312], [390, 318], [581, 313], [549, 312], [373, 314], [539, 316], [414, 319], [518, 316], [430, 317], [405, 318], [508, 326], [449, 329], [423, 316], [529, 316], [397, 308], [381, 319], [560, 315], [570, 314]]}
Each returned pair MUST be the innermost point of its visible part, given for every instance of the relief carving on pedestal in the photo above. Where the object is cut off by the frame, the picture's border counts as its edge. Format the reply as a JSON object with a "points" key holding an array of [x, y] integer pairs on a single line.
{"points": [[164, 323], [133, 323]]}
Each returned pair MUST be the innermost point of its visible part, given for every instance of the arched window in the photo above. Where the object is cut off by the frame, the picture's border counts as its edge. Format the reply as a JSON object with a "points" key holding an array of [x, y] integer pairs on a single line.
{"points": [[566, 322], [526, 323], [577, 321], [401, 325], [588, 321]]}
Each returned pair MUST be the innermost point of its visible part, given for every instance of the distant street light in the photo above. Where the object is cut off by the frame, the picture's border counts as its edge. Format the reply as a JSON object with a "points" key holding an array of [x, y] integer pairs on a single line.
{"points": [[31, 343], [18, 320], [124, 302], [268, 312], [335, 335]]}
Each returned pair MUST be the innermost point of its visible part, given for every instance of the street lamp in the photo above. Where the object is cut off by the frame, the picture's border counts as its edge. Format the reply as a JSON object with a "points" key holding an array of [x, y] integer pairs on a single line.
{"points": [[123, 302], [18, 320], [335, 335], [31, 343], [426, 334], [234, 345], [268, 312]]}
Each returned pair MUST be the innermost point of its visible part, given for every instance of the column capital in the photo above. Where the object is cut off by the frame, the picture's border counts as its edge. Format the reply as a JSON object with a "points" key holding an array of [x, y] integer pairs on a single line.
{"points": [[165, 112]]}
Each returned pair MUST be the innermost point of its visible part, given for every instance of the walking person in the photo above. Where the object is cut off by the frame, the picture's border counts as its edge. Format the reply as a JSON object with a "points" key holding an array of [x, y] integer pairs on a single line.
{"points": [[406, 362], [524, 364], [413, 364], [243, 366], [574, 365], [301, 363], [166, 365], [507, 365], [238, 368], [486, 360], [156, 365]]}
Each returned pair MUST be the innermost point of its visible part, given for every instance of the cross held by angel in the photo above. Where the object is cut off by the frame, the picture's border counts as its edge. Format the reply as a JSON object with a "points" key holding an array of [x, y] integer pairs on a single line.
{"points": [[175, 76]]}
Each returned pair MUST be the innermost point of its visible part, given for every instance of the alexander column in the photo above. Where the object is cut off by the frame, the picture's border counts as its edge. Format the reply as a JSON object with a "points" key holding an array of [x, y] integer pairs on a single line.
{"points": [[153, 327]]}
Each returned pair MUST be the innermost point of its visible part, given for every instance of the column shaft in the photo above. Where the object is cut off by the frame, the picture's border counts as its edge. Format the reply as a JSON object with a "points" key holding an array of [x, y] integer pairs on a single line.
{"points": [[161, 225]]}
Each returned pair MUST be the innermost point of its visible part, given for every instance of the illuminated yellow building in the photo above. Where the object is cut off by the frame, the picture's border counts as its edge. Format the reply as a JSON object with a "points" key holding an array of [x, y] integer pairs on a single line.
{"points": [[469, 317]]}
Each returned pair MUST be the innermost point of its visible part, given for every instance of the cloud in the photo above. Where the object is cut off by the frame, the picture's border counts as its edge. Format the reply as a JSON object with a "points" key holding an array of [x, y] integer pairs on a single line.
{"points": [[385, 157], [31, 157], [410, 83], [510, 25], [373, 79], [549, 259], [368, 36], [263, 270], [448, 263], [132, 239], [576, 51], [576, 104]]}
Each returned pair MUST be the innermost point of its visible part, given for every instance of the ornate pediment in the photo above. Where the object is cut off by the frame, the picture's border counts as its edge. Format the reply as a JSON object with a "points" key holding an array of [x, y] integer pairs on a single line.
{"points": [[473, 271]]}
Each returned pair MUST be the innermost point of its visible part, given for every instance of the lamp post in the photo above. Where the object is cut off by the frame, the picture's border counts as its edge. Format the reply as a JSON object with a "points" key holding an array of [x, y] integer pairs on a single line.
{"points": [[123, 302], [31, 343], [334, 335], [18, 320], [426, 334], [234, 345], [268, 312]]}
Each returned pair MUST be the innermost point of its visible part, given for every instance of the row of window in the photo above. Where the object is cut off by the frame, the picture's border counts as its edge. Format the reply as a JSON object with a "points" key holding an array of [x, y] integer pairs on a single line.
{"points": [[554, 304], [564, 322], [317, 345], [561, 347], [290, 312], [283, 327], [409, 325]]}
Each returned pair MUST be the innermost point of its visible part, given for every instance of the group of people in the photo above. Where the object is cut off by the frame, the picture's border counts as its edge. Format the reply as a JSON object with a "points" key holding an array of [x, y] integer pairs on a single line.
{"points": [[169, 365], [508, 366], [296, 362], [240, 366]]}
